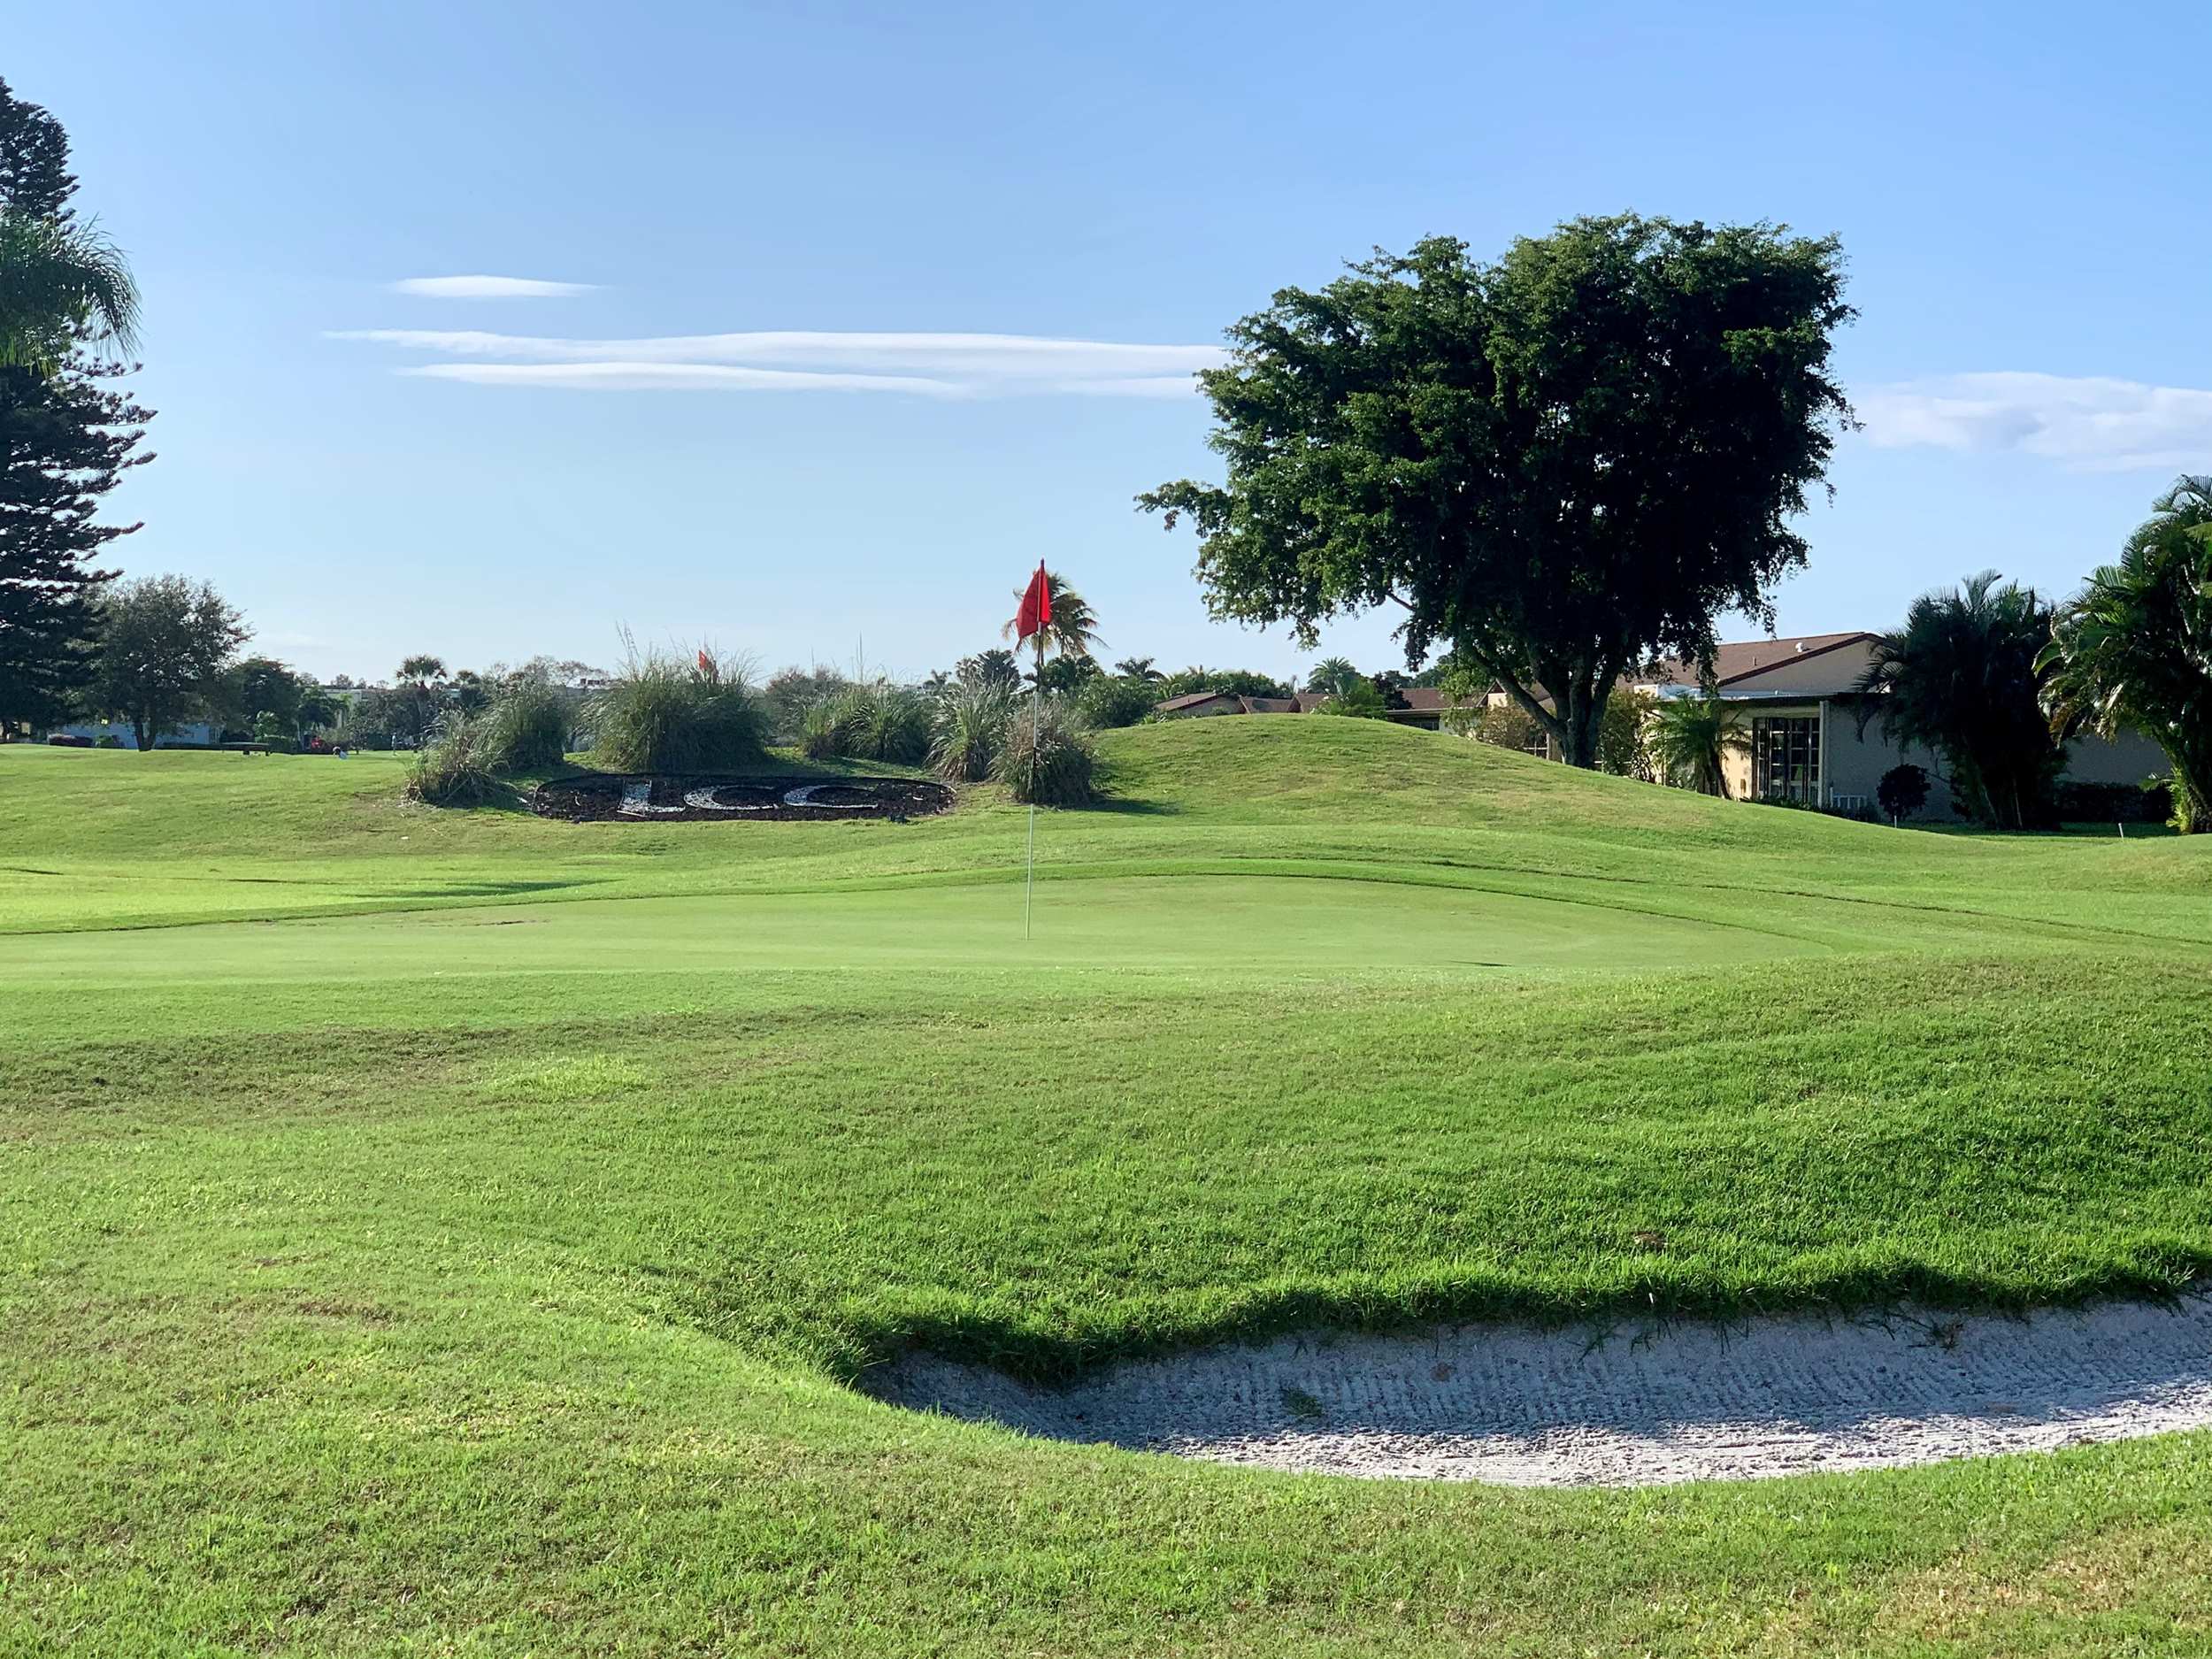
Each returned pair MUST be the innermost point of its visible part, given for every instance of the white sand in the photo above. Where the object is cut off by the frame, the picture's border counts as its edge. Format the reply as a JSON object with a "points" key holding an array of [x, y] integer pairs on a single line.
{"points": [[1520, 1406]]}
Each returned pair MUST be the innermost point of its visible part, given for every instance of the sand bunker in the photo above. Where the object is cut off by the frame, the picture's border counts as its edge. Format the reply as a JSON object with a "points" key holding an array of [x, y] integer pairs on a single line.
{"points": [[1520, 1406]]}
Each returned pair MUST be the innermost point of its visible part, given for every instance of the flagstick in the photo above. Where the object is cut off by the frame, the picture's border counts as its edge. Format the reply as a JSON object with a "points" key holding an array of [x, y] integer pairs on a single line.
{"points": [[1036, 719]]}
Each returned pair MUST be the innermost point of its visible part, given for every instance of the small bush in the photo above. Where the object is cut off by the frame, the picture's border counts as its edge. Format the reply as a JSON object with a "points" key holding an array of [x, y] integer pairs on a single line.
{"points": [[1063, 769], [1790, 802], [1115, 700], [896, 725], [821, 730], [667, 715], [972, 720], [453, 771], [526, 726], [2150, 801], [1358, 700], [874, 720], [109, 740], [1902, 791]]}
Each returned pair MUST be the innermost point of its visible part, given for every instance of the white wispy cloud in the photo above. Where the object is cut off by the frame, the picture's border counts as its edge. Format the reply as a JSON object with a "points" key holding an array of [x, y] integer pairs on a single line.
{"points": [[2087, 422], [678, 377], [929, 364], [489, 288]]}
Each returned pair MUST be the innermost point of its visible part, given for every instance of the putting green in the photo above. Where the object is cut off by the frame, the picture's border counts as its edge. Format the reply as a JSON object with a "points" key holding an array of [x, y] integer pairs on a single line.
{"points": [[1250, 921]]}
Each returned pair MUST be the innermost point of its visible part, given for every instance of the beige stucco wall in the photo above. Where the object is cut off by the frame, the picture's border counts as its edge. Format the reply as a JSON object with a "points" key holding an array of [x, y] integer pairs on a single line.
{"points": [[1852, 765]]}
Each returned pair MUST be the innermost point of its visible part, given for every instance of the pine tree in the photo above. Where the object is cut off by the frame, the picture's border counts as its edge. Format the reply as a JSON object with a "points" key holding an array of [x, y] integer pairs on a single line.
{"points": [[65, 440]]}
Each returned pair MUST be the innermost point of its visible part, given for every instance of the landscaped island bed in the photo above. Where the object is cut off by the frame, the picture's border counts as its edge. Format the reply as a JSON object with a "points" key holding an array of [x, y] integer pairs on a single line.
{"points": [[457, 1230]]}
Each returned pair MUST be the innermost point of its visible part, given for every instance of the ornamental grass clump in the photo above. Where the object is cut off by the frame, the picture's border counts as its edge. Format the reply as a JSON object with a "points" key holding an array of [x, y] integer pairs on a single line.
{"points": [[526, 729], [1048, 759], [972, 720], [667, 715], [455, 771], [869, 720]]}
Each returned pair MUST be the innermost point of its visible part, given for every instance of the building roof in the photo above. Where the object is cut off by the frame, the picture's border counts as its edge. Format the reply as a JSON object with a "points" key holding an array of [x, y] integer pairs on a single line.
{"points": [[1744, 659], [1190, 699]]}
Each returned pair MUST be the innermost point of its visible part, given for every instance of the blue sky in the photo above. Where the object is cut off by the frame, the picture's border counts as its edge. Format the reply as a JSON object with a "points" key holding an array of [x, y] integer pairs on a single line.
{"points": [[2018, 188]]}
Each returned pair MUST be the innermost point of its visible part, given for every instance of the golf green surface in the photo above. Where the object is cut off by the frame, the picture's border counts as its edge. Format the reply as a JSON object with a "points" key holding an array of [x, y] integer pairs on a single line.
{"points": [[457, 1232]]}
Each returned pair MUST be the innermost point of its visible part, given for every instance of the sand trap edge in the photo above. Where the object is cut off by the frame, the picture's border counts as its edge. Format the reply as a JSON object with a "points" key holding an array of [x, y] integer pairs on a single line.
{"points": [[1516, 1405]]}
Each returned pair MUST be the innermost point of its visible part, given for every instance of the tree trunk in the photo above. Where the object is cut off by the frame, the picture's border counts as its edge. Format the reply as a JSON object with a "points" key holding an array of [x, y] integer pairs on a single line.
{"points": [[1578, 728]]}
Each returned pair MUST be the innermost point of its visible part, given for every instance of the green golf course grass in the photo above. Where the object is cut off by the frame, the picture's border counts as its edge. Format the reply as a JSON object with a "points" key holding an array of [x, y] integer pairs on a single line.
{"points": [[456, 1231]]}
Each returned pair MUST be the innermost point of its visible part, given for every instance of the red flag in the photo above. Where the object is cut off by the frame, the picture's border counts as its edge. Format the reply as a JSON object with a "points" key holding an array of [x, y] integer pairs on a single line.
{"points": [[1035, 615], [705, 665]]}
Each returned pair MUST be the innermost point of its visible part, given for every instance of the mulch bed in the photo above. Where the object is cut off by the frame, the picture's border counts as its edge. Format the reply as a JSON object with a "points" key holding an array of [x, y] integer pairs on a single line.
{"points": [[594, 796]]}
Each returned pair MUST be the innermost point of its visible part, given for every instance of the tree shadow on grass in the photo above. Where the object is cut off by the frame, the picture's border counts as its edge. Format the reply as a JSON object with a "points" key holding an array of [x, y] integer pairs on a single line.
{"points": [[476, 890]]}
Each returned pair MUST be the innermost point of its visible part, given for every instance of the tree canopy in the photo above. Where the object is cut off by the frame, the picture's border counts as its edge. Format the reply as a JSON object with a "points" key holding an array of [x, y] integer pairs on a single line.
{"points": [[2134, 646], [1561, 464], [1960, 676], [165, 646]]}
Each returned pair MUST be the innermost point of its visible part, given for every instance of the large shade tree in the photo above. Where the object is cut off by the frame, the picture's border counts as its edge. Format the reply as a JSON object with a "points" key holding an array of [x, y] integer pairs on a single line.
{"points": [[166, 648], [2134, 646], [1560, 463], [1960, 678]]}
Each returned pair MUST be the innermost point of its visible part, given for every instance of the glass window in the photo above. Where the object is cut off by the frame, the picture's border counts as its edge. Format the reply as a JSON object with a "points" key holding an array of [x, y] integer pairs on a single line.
{"points": [[1786, 758]]}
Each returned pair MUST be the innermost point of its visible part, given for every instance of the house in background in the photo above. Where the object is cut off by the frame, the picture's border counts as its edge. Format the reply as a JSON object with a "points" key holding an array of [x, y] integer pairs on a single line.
{"points": [[185, 735], [1803, 712]]}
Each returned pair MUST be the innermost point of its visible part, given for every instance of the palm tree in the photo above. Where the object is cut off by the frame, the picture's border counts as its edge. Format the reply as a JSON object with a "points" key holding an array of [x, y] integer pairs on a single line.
{"points": [[1072, 630], [2134, 646], [418, 677], [1690, 739], [1334, 674], [1139, 668], [60, 283], [1960, 676]]}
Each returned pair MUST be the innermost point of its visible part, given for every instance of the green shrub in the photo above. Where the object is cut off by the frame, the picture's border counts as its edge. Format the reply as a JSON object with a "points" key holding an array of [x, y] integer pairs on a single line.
{"points": [[526, 726], [1063, 769], [972, 720], [2149, 801], [108, 740], [1358, 700], [453, 771], [895, 727], [872, 721], [667, 715], [822, 735], [1902, 791], [1116, 700]]}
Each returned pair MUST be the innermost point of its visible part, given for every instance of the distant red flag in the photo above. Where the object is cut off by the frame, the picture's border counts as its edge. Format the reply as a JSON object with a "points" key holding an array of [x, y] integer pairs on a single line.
{"points": [[706, 663], [1035, 615]]}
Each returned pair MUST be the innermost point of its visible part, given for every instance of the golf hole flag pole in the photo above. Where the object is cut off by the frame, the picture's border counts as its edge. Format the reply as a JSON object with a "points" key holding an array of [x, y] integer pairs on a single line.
{"points": [[1030, 622]]}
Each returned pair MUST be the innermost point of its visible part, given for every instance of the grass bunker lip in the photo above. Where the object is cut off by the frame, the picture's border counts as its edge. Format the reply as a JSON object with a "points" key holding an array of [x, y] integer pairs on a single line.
{"points": [[686, 797]]}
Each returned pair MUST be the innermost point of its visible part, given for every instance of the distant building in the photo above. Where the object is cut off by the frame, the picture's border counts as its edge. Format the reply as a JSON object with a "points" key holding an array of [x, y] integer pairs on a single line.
{"points": [[1801, 707], [1803, 713], [191, 733]]}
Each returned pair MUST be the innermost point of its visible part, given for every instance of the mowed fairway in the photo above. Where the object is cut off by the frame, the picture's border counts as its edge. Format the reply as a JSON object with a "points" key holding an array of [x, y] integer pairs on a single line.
{"points": [[454, 1232]]}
